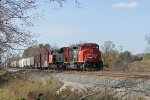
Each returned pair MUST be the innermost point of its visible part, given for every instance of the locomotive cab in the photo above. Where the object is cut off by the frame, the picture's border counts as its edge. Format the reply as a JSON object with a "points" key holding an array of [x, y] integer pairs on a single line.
{"points": [[89, 53], [90, 56]]}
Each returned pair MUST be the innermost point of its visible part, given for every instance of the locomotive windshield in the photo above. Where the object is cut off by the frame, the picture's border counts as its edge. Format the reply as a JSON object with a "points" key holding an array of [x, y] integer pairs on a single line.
{"points": [[95, 47]]}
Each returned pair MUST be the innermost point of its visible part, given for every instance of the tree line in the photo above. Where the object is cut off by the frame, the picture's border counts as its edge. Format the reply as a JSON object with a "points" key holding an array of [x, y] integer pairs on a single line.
{"points": [[118, 60], [35, 50]]}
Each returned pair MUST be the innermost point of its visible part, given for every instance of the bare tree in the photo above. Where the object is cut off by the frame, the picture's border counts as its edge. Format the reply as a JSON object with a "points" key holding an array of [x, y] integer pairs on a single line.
{"points": [[108, 53], [15, 21], [108, 46], [60, 2]]}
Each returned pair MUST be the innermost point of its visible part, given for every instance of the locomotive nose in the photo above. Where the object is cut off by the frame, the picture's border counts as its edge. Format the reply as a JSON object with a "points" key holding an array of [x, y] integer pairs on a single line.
{"points": [[90, 55]]}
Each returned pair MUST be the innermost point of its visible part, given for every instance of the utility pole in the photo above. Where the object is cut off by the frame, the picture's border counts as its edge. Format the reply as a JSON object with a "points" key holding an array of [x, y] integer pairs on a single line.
{"points": [[0, 58], [121, 48]]}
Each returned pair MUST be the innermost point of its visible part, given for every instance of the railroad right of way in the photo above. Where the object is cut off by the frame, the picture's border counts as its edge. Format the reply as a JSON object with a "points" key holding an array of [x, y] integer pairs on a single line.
{"points": [[127, 86]]}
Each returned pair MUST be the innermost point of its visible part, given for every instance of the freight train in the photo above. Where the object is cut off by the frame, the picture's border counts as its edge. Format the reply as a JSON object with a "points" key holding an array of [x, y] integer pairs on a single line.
{"points": [[85, 56]]}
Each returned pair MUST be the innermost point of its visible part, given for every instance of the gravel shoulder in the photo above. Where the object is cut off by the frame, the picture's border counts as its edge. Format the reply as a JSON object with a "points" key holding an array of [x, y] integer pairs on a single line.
{"points": [[125, 86]]}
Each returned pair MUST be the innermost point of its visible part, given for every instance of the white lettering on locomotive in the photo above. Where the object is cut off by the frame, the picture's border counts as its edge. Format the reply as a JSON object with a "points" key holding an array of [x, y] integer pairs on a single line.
{"points": [[91, 56]]}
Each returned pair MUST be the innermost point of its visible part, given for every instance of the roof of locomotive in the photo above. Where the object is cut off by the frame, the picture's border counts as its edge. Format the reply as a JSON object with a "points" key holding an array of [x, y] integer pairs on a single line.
{"points": [[88, 44]]}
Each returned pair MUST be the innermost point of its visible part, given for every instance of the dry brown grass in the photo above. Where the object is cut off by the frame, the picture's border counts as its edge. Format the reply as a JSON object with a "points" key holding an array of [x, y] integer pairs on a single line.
{"points": [[141, 66], [29, 88], [2, 71]]}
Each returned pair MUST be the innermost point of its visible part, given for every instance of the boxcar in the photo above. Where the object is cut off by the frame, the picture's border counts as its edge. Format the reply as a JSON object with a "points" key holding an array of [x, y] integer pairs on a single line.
{"points": [[14, 63], [21, 63], [31, 62]]}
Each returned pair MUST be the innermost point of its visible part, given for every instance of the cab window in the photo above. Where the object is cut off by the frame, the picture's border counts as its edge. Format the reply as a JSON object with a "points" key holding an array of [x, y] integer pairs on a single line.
{"points": [[92, 47], [95, 47]]}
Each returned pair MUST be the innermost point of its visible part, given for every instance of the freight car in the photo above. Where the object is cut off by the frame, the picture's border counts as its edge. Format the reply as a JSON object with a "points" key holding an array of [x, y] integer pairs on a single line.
{"points": [[14, 63], [21, 63], [86, 56], [52, 59]]}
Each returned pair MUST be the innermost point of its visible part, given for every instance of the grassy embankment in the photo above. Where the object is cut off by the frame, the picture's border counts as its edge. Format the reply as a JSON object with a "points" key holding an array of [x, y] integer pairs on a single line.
{"points": [[141, 66], [31, 88]]}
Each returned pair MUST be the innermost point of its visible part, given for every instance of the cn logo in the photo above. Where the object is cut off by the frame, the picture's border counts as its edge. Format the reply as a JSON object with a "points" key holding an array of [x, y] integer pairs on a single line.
{"points": [[91, 56]]}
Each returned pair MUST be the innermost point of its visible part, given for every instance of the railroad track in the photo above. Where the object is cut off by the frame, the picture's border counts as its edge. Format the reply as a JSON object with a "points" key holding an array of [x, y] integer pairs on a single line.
{"points": [[113, 74], [144, 75]]}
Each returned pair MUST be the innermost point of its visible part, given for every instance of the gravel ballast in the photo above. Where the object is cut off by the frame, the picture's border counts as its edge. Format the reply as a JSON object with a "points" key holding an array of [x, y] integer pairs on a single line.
{"points": [[126, 86]]}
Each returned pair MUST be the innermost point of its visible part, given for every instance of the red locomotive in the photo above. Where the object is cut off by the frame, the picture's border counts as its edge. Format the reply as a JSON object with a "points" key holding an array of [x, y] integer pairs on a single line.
{"points": [[86, 56]]}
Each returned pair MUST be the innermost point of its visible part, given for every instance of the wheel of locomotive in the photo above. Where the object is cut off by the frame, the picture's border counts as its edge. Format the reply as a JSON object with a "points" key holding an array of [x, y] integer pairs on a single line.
{"points": [[64, 67], [92, 67], [53, 67], [98, 67], [58, 67], [83, 67], [78, 67], [49, 66], [101, 66]]}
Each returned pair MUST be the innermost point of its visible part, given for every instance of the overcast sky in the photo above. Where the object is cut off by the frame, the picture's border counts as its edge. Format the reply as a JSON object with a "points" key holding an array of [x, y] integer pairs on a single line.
{"points": [[124, 22]]}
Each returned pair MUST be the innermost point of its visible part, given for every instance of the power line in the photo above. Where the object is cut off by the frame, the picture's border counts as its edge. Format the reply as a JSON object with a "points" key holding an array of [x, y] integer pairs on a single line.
{"points": [[121, 48]]}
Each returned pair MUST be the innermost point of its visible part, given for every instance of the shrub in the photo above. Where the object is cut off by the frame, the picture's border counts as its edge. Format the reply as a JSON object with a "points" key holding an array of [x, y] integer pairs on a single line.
{"points": [[122, 61], [146, 56]]}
